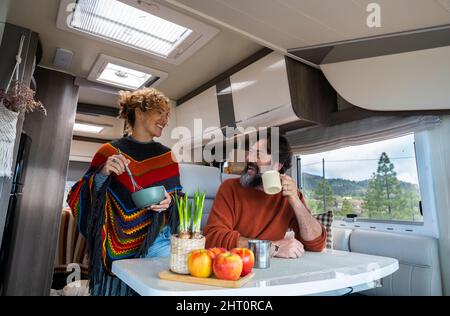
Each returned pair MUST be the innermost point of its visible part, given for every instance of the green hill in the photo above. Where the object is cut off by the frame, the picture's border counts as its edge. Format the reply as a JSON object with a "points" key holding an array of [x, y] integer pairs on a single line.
{"points": [[344, 187]]}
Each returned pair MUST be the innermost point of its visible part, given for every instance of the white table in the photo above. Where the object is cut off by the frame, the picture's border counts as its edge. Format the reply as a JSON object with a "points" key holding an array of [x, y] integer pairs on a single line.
{"points": [[331, 272]]}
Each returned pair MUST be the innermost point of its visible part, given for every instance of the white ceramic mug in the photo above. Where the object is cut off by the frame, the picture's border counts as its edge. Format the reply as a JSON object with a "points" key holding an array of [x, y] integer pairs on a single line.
{"points": [[271, 182]]}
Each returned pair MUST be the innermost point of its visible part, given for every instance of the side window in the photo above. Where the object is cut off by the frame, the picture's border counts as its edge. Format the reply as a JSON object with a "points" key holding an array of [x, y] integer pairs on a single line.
{"points": [[376, 181]]}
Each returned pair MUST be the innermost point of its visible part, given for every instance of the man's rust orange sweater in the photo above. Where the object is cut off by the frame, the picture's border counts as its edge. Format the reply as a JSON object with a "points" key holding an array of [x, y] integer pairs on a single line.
{"points": [[238, 211]]}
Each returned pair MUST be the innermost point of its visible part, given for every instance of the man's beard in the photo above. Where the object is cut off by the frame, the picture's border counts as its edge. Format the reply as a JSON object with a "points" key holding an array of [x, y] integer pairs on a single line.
{"points": [[251, 181]]}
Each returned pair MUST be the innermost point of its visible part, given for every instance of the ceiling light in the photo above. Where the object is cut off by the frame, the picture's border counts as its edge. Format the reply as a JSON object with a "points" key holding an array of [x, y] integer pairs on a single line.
{"points": [[120, 73], [122, 76], [125, 24], [87, 128]]}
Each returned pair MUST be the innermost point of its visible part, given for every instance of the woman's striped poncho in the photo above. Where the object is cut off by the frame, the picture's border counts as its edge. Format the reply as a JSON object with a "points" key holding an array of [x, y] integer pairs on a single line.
{"points": [[114, 227]]}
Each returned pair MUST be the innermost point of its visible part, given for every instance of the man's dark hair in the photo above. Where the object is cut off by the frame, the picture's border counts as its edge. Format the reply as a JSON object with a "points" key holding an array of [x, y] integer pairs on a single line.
{"points": [[284, 149]]}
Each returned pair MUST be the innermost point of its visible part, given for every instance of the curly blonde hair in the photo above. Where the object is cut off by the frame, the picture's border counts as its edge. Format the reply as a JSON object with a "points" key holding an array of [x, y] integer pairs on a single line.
{"points": [[152, 99]]}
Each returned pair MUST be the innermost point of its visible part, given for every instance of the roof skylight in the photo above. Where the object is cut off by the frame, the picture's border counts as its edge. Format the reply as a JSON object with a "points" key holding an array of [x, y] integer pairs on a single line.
{"points": [[122, 76], [127, 25]]}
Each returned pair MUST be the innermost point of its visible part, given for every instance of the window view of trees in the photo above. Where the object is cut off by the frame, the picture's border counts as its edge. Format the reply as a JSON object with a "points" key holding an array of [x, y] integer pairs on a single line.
{"points": [[385, 197], [377, 194]]}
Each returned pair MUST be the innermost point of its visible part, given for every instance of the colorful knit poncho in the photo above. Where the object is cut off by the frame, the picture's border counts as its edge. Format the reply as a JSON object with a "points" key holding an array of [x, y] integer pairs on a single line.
{"points": [[113, 226]]}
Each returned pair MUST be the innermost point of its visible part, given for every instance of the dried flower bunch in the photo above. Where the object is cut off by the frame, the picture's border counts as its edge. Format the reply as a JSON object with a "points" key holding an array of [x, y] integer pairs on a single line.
{"points": [[20, 98]]}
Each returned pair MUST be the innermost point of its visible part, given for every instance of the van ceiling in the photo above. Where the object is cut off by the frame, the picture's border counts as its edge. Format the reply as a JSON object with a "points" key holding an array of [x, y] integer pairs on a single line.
{"points": [[222, 52], [288, 24], [278, 24]]}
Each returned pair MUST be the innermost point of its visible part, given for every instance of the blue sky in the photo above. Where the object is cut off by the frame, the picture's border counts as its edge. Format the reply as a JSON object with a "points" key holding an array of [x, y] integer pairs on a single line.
{"points": [[359, 162]]}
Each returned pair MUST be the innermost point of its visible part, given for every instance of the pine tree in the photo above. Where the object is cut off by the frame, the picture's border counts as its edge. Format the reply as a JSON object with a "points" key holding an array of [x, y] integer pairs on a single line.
{"points": [[384, 198], [324, 195], [372, 200]]}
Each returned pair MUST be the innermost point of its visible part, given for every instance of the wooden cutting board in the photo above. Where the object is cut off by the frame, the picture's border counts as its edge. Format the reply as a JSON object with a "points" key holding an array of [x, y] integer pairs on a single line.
{"points": [[171, 276]]}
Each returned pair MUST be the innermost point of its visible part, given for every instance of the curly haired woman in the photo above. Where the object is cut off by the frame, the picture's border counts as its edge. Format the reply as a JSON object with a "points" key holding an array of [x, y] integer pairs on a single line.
{"points": [[101, 200]]}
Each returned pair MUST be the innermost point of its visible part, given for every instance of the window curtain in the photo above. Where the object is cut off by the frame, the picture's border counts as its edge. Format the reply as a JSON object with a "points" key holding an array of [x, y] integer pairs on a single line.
{"points": [[324, 138]]}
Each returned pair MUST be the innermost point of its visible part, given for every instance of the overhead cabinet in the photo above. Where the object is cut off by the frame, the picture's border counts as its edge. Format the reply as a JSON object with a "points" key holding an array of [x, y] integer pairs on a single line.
{"points": [[261, 94], [273, 91], [203, 108]]}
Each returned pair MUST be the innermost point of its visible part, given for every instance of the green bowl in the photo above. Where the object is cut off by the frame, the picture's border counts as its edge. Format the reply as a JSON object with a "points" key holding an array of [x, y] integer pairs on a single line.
{"points": [[148, 196]]}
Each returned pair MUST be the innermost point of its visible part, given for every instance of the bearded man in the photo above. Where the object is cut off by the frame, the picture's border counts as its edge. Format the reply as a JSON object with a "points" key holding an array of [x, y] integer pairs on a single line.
{"points": [[242, 211]]}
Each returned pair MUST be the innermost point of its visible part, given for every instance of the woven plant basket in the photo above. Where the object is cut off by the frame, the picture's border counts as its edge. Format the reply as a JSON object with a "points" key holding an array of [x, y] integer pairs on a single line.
{"points": [[8, 122], [179, 251]]}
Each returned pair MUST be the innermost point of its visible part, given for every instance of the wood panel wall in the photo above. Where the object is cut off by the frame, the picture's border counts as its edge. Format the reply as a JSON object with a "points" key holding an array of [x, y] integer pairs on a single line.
{"points": [[313, 98], [8, 50], [36, 225]]}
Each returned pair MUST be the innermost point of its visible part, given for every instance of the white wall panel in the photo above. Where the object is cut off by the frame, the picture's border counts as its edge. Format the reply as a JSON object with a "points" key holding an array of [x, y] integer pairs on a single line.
{"points": [[83, 151], [203, 106]]}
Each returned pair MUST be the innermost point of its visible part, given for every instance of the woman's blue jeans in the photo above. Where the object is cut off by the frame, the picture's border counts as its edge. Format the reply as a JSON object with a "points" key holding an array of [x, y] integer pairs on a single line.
{"points": [[161, 245]]}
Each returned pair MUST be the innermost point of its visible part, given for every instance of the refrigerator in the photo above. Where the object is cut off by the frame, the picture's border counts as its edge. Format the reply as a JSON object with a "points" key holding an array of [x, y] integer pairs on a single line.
{"points": [[18, 179]]}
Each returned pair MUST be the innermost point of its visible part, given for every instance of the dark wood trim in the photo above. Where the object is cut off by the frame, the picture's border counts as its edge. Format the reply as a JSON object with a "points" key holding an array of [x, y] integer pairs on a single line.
{"points": [[8, 48], [32, 47], [295, 125], [356, 113], [35, 228], [86, 108], [8, 51], [226, 74], [374, 46], [90, 139], [225, 104], [313, 98]]}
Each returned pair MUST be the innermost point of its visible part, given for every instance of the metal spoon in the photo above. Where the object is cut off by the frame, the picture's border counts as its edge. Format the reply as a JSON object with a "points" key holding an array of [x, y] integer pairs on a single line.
{"points": [[135, 185]]}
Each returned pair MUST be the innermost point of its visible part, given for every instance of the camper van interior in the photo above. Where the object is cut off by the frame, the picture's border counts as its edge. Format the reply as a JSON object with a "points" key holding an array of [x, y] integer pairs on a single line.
{"points": [[353, 97]]}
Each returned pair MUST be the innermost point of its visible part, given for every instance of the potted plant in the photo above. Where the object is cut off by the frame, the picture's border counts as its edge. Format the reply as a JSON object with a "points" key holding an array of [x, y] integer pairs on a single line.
{"points": [[16, 98], [189, 236]]}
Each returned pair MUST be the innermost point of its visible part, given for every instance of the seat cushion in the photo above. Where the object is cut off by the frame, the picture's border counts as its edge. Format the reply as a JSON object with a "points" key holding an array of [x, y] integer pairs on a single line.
{"points": [[419, 269], [409, 249], [204, 178], [326, 219], [341, 238]]}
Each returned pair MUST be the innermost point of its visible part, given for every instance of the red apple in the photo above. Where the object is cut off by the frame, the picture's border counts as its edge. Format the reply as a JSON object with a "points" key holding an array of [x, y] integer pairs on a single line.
{"points": [[214, 252], [227, 266], [247, 257], [199, 263]]}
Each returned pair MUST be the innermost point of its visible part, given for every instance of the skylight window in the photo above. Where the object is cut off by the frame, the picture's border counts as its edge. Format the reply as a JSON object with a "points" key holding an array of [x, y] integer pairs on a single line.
{"points": [[124, 24], [124, 74], [144, 26], [116, 74]]}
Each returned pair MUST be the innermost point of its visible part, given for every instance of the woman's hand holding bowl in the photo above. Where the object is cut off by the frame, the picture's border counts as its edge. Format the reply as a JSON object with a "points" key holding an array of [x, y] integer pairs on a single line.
{"points": [[163, 205]]}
